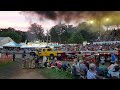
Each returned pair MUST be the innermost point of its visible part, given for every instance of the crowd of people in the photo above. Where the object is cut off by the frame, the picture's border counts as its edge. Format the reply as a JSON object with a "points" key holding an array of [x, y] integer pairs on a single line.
{"points": [[87, 70], [80, 68], [91, 47]]}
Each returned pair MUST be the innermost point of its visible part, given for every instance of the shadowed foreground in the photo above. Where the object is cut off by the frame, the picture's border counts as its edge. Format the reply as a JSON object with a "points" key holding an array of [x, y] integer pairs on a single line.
{"points": [[13, 70]]}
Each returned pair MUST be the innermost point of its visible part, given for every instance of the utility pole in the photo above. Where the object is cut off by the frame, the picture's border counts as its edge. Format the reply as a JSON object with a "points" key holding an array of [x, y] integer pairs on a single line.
{"points": [[99, 27], [47, 37]]}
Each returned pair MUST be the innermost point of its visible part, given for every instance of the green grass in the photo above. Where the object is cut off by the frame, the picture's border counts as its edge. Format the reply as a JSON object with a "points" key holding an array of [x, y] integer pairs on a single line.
{"points": [[6, 64], [55, 74]]}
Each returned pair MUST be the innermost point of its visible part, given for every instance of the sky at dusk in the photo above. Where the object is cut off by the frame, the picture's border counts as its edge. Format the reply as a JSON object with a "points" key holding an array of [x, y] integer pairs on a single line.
{"points": [[18, 21], [21, 21]]}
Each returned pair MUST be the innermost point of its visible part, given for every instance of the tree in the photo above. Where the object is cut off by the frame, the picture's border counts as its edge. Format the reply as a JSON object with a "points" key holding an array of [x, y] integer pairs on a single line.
{"points": [[16, 35], [57, 33], [88, 32], [23, 35], [36, 31], [76, 38], [61, 33], [12, 33]]}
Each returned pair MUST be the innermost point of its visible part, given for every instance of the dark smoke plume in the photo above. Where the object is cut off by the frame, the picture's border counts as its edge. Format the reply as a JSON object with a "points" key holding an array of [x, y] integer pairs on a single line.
{"points": [[69, 16]]}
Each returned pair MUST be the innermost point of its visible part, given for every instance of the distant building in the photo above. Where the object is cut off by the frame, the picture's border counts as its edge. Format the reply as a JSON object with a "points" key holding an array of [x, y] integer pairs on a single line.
{"points": [[5, 40]]}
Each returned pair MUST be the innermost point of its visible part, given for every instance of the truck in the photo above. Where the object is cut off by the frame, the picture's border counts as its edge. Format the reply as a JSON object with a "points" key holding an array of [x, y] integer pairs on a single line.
{"points": [[49, 52]]}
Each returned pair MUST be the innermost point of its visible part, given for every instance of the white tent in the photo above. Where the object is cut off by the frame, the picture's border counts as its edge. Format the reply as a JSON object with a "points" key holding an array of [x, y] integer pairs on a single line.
{"points": [[1, 47], [11, 44], [24, 46]]}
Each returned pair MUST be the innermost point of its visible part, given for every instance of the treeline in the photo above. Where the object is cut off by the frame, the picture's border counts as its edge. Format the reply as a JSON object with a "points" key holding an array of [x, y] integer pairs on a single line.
{"points": [[70, 34], [60, 33], [17, 36]]}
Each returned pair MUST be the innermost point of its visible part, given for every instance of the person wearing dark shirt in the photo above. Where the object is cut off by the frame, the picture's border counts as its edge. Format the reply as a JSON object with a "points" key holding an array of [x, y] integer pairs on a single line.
{"points": [[13, 56]]}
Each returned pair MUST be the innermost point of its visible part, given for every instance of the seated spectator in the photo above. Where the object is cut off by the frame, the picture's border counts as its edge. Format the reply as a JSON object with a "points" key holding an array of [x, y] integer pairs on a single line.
{"points": [[115, 74], [91, 73], [97, 67], [69, 67], [76, 69], [100, 74], [83, 68], [64, 66], [59, 64], [87, 64], [103, 68], [52, 65], [111, 65]]}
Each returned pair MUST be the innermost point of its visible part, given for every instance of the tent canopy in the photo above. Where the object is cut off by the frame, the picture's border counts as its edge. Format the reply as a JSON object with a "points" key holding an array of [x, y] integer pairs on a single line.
{"points": [[11, 44], [1, 47]]}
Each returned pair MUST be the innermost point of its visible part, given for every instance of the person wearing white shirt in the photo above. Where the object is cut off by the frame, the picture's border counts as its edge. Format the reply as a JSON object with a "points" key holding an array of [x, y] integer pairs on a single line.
{"points": [[44, 60]]}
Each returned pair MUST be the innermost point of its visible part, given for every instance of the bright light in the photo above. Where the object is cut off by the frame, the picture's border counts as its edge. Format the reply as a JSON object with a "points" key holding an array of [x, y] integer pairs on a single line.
{"points": [[91, 22], [107, 19]]}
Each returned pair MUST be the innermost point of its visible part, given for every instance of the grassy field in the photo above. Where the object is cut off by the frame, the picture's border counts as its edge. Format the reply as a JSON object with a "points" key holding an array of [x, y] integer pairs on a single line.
{"points": [[55, 74], [6, 64], [8, 69]]}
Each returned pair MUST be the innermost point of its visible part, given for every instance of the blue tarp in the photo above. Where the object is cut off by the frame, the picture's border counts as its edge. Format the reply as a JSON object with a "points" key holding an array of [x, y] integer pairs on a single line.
{"points": [[11, 44]]}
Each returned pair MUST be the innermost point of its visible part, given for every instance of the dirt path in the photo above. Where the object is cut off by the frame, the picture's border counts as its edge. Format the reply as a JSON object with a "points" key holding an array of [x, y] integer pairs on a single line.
{"points": [[28, 74], [15, 71]]}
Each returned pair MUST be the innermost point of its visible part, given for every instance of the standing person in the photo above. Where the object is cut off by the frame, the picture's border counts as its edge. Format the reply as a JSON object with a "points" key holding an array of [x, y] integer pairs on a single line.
{"points": [[31, 62], [23, 54], [13, 56], [6, 53], [37, 62], [113, 57], [44, 60], [80, 56], [23, 59]]}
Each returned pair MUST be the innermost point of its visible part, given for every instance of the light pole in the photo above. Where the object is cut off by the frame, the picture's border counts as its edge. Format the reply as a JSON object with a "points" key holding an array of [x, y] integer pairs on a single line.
{"points": [[99, 23], [99, 26]]}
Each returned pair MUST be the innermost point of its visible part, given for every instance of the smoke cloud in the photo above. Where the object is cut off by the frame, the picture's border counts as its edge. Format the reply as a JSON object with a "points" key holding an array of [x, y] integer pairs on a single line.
{"points": [[69, 16]]}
